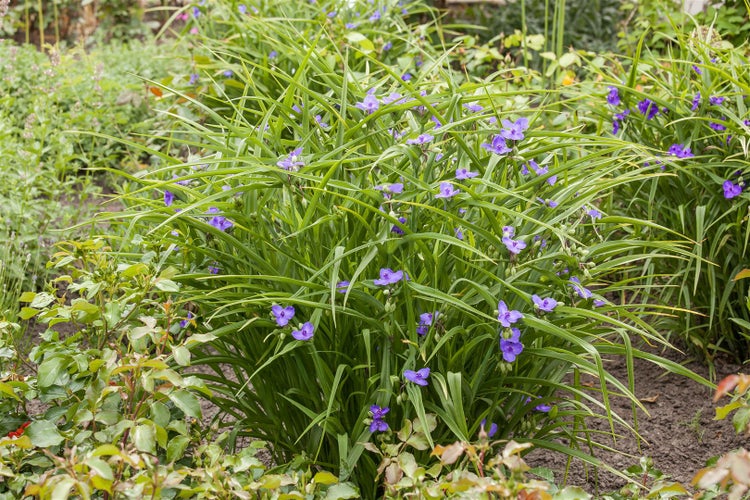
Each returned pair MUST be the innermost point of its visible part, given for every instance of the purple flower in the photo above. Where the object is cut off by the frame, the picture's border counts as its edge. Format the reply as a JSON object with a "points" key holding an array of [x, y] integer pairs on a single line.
{"points": [[196, 12], [193, 78], [188, 319], [619, 117], [369, 104], [696, 101], [680, 151], [168, 198], [436, 121], [505, 316], [497, 146], [511, 347], [582, 292], [375, 16], [220, 222], [697, 69], [514, 246], [378, 413], [649, 108], [351, 26], [242, 8], [599, 302], [320, 122], [418, 377], [393, 97], [422, 139], [463, 174], [342, 286], [717, 126], [509, 231], [731, 190], [398, 230], [613, 98], [547, 305], [459, 233], [447, 190], [406, 77], [425, 321], [273, 54], [716, 100], [389, 189], [473, 107], [282, 314], [540, 407], [594, 213], [387, 46], [213, 269], [513, 131], [389, 277], [304, 333], [292, 161], [493, 428]]}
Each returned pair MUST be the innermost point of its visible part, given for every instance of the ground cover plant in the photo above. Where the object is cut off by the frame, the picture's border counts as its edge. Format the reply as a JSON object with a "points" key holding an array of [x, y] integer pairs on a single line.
{"points": [[373, 236]]}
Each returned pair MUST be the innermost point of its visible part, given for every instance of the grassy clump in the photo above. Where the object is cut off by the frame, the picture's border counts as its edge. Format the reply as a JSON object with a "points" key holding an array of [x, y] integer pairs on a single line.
{"points": [[382, 210]]}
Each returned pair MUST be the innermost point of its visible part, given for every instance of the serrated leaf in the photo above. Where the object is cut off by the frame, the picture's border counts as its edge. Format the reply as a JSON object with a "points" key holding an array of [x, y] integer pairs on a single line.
{"points": [[341, 491], [44, 434], [325, 477], [101, 468], [568, 58], [186, 402], [723, 411], [106, 450], [176, 448], [167, 285], [50, 371], [134, 270], [8, 391], [42, 300], [62, 488], [181, 355], [27, 313], [571, 493], [144, 438]]}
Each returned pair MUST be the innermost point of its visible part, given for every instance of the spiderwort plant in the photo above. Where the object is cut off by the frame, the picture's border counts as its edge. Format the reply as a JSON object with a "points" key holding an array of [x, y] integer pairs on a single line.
{"points": [[700, 130], [319, 242]]}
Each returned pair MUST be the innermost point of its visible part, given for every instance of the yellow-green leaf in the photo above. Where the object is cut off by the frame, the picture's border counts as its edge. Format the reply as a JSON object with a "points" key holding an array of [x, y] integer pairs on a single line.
{"points": [[325, 477]]}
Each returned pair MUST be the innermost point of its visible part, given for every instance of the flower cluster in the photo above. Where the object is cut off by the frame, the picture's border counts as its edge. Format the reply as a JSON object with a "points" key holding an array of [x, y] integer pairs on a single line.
{"points": [[425, 322], [378, 414]]}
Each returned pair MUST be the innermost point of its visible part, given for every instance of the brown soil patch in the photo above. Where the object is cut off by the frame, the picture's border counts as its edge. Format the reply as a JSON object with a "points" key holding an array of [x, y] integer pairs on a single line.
{"points": [[679, 432]]}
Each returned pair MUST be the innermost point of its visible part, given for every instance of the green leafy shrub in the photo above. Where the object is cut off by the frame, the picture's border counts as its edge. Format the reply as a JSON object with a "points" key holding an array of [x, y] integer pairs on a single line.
{"points": [[689, 113], [46, 165], [343, 228], [103, 411]]}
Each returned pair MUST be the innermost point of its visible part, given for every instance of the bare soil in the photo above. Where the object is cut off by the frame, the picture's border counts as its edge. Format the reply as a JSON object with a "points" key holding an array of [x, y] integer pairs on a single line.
{"points": [[678, 433]]}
